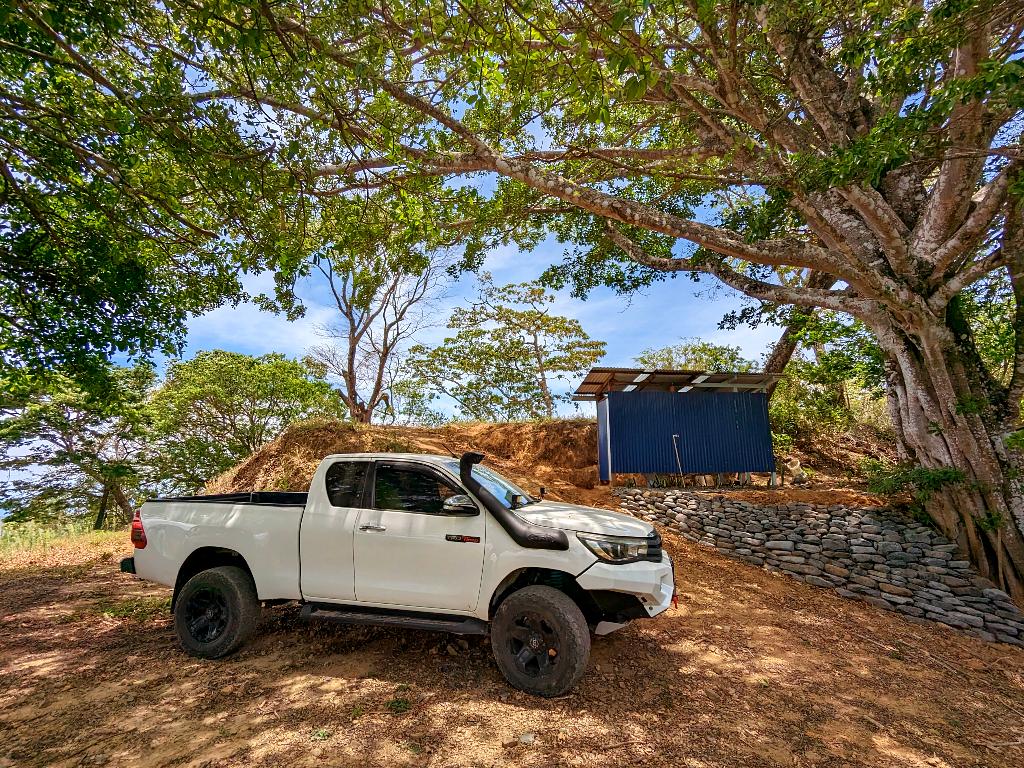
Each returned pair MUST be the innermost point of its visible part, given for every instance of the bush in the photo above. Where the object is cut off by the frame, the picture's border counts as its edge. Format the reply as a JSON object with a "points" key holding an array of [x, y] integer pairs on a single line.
{"points": [[920, 482]]}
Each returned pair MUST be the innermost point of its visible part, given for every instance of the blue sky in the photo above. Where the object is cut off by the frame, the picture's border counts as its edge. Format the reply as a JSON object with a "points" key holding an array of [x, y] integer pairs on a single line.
{"points": [[660, 315]]}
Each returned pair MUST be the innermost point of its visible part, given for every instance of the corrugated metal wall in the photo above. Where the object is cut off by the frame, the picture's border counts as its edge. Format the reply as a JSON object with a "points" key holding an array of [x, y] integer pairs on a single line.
{"points": [[718, 432]]}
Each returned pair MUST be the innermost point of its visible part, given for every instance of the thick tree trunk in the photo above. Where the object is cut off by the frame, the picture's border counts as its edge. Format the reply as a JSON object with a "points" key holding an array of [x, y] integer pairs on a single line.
{"points": [[122, 502], [943, 417], [360, 414], [101, 516]]}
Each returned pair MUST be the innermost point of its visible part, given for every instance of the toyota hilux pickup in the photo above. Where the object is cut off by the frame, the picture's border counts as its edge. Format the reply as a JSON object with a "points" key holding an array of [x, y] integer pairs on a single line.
{"points": [[409, 540]]}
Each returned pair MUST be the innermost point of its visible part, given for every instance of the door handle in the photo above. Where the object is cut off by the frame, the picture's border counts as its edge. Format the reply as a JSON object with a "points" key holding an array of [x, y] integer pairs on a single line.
{"points": [[372, 527]]}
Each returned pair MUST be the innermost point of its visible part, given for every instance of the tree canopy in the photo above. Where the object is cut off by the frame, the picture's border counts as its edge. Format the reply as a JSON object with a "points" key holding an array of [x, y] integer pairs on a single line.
{"points": [[508, 352], [219, 407], [695, 355], [862, 158]]}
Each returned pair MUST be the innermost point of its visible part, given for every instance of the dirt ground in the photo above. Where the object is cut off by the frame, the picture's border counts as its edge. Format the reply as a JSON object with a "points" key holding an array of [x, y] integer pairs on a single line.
{"points": [[751, 669]]}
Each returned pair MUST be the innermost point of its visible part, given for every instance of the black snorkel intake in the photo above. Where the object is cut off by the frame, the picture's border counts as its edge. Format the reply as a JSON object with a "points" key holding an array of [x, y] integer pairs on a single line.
{"points": [[523, 533]]}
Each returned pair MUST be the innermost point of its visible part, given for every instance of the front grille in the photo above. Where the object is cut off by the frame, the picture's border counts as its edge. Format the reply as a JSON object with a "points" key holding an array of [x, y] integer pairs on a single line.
{"points": [[654, 547]]}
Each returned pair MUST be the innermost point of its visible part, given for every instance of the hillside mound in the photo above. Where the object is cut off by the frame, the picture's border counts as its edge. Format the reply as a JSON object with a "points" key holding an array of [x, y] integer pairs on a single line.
{"points": [[561, 455]]}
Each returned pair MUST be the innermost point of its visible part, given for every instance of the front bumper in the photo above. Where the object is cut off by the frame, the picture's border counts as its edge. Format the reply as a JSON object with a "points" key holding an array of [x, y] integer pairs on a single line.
{"points": [[653, 584]]}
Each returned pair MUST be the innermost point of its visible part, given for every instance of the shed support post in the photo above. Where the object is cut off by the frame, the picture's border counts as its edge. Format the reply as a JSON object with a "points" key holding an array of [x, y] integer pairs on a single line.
{"points": [[774, 480]]}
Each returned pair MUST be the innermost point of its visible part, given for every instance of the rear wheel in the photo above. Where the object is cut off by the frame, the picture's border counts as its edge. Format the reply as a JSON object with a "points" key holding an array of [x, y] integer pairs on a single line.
{"points": [[216, 612], [541, 641]]}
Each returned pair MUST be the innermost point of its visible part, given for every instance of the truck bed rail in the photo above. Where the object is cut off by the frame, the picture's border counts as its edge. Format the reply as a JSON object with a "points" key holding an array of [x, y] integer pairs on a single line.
{"points": [[263, 498]]}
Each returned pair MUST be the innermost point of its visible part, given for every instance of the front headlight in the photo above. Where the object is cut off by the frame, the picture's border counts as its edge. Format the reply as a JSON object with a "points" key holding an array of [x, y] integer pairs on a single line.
{"points": [[616, 549]]}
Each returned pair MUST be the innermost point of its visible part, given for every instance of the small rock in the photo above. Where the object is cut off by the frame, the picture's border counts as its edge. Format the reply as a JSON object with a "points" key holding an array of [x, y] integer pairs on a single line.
{"points": [[527, 738]]}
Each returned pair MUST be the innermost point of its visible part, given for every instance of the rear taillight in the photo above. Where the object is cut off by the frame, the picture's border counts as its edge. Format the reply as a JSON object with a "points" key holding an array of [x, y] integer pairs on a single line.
{"points": [[138, 532]]}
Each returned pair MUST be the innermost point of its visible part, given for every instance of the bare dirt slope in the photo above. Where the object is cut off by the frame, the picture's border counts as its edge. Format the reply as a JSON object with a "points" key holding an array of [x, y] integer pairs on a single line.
{"points": [[751, 670], [560, 455]]}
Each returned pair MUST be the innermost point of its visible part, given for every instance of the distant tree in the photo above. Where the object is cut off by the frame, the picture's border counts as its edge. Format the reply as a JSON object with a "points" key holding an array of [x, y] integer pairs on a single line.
{"points": [[507, 351], [70, 453], [218, 408], [382, 304], [695, 355]]}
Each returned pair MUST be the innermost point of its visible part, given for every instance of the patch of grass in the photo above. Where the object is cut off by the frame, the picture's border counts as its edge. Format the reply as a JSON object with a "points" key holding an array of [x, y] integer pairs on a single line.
{"points": [[19, 537], [321, 734], [137, 608], [357, 712], [398, 706]]}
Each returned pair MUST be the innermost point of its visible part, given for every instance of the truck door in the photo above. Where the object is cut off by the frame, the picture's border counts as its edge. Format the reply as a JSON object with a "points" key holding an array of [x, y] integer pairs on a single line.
{"points": [[408, 551], [325, 534]]}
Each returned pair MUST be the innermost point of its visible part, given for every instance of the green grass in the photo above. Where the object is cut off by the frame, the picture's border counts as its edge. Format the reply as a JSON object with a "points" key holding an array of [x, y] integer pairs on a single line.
{"points": [[398, 706], [137, 608], [23, 537]]}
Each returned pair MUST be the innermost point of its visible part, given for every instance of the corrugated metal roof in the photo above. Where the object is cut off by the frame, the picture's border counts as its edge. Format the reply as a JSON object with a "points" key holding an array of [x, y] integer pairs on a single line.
{"points": [[600, 381]]}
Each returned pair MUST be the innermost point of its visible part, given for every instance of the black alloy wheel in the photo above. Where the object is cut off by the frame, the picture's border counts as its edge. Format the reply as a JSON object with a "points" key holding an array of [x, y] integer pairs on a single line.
{"points": [[540, 640], [206, 615]]}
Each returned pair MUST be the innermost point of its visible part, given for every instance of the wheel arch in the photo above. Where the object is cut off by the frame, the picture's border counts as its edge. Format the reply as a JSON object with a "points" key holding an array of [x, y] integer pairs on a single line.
{"points": [[560, 580], [203, 559]]}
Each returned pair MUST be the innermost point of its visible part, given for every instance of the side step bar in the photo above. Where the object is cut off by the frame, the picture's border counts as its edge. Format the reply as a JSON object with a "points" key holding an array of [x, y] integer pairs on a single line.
{"points": [[456, 625]]}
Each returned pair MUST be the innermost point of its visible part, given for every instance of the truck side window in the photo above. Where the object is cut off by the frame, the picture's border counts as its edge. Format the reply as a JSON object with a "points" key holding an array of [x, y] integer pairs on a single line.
{"points": [[345, 483], [410, 490]]}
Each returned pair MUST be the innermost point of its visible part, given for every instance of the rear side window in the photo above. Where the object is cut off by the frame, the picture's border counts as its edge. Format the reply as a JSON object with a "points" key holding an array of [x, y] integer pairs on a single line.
{"points": [[345, 483], [410, 490]]}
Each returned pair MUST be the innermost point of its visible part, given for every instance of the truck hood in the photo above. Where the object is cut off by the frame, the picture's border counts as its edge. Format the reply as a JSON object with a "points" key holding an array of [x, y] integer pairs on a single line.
{"points": [[573, 517]]}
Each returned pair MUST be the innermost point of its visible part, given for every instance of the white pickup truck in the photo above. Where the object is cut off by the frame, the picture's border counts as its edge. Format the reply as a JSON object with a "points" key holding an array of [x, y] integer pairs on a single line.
{"points": [[409, 540]]}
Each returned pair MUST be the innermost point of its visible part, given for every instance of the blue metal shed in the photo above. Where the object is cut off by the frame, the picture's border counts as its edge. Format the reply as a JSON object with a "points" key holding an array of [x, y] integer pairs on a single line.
{"points": [[680, 422]]}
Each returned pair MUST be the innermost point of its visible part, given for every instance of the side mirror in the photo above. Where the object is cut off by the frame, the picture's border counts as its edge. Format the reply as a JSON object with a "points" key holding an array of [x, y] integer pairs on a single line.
{"points": [[460, 504]]}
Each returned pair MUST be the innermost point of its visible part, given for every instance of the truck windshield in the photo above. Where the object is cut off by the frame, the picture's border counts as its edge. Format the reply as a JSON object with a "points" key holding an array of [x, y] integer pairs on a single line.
{"points": [[502, 489]]}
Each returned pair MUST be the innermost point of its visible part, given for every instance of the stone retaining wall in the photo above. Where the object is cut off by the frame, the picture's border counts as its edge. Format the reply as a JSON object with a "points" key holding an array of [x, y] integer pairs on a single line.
{"points": [[870, 554]]}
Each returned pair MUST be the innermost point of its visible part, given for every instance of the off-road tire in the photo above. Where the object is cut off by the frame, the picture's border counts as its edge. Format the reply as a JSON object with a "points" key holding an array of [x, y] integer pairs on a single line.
{"points": [[544, 614], [230, 618]]}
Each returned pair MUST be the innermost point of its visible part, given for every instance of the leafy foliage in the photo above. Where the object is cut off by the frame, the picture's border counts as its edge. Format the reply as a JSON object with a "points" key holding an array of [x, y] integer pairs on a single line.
{"points": [[64, 446], [219, 407], [115, 186], [696, 355], [505, 357], [920, 482]]}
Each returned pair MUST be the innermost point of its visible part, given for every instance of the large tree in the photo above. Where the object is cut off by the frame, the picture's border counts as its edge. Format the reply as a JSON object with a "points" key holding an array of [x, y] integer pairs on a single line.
{"points": [[383, 278], [881, 141], [70, 452], [873, 143]]}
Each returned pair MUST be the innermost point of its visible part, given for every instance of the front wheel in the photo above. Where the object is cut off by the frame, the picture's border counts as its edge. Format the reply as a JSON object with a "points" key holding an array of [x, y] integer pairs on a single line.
{"points": [[541, 641], [216, 612]]}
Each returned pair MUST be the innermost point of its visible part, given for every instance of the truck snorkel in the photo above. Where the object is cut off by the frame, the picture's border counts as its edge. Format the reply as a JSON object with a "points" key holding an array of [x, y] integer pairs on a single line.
{"points": [[523, 533]]}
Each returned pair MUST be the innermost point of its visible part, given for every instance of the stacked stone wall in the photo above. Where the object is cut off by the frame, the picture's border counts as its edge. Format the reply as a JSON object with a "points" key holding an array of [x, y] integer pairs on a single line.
{"points": [[865, 553]]}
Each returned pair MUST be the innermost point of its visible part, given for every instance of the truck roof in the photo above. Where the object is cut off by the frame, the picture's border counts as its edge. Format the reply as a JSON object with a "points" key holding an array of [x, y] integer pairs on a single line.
{"points": [[430, 458]]}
